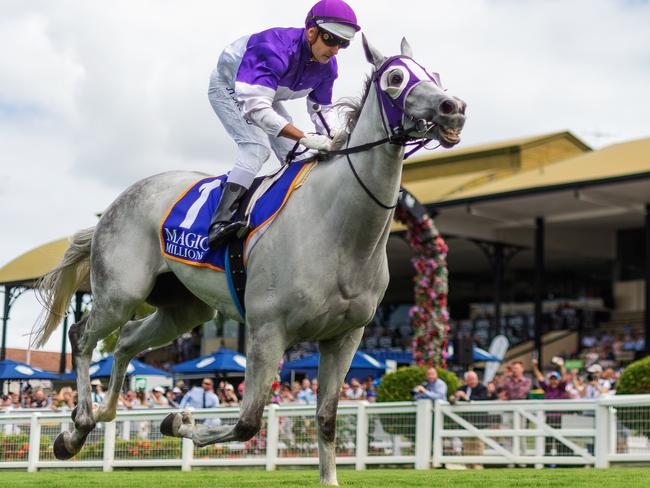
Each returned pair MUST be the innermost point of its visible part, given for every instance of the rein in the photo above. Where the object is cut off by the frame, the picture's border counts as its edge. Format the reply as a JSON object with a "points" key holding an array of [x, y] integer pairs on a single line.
{"points": [[396, 134]]}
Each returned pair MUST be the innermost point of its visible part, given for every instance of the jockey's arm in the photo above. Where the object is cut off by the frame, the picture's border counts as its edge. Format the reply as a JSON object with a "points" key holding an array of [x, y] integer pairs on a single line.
{"points": [[292, 132]]}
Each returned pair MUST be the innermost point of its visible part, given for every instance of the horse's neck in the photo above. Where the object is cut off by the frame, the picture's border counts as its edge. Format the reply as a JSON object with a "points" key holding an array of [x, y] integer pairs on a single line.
{"points": [[362, 223]]}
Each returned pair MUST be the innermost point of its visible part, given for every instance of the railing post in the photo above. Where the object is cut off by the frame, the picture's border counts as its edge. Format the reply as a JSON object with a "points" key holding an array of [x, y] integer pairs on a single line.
{"points": [[272, 436], [613, 430], [601, 447], [437, 434], [34, 443], [187, 454], [110, 431], [516, 426], [540, 440], [423, 434], [362, 435]]}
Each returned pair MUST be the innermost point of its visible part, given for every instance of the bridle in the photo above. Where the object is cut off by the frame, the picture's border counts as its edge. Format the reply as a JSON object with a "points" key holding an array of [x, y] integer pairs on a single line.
{"points": [[393, 116]]}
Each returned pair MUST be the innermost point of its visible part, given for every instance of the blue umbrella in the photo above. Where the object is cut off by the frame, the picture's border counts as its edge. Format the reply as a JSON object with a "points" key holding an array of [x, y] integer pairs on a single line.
{"points": [[104, 367], [220, 362], [363, 365], [13, 370]]}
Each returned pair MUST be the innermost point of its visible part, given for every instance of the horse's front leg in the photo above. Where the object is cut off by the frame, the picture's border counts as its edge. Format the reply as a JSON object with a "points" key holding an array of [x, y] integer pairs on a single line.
{"points": [[335, 359]]}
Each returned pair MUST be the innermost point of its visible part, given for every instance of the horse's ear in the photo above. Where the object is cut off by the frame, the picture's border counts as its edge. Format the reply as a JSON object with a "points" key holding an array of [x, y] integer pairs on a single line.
{"points": [[406, 48], [372, 55]]}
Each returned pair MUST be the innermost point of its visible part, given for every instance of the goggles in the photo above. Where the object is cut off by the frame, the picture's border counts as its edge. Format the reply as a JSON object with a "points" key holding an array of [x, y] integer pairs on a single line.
{"points": [[331, 40]]}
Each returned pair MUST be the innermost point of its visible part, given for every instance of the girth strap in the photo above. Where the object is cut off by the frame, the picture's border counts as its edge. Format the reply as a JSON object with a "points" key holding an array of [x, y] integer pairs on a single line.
{"points": [[236, 273]]}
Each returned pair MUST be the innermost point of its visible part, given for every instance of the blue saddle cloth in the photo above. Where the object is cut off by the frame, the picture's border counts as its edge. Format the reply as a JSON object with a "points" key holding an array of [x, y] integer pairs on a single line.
{"points": [[184, 229]]}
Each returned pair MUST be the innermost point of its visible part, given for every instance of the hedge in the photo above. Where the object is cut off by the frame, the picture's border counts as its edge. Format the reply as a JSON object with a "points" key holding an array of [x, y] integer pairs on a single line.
{"points": [[398, 386]]}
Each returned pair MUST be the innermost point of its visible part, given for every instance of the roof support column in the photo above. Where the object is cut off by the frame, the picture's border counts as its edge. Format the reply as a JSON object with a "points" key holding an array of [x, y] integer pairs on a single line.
{"points": [[5, 319], [64, 343], [647, 279], [539, 287]]}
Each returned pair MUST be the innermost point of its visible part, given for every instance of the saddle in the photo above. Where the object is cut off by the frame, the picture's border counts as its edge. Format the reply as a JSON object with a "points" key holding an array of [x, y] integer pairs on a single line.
{"points": [[184, 228]]}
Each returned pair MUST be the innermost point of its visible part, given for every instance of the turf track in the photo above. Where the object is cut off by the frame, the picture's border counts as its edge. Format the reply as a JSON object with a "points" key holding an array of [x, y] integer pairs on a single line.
{"points": [[374, 478]]}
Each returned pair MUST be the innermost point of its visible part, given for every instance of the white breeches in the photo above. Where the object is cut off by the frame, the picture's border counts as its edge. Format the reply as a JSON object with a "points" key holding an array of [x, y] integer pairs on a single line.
{"points": [[253, 144]]}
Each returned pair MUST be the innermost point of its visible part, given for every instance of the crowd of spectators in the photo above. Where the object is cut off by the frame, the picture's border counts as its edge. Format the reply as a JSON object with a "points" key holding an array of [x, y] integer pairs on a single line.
{"points": [[557, 384], [306, 391]]}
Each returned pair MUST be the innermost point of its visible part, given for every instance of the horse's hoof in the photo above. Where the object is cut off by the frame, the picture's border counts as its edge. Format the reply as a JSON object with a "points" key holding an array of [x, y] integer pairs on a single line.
{"points": [[169, 426], [60, 451], [73, 414]]}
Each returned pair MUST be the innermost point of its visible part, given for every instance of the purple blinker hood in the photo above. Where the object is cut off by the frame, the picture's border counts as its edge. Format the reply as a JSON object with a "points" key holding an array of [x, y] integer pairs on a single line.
{"points": [[393, 98]]}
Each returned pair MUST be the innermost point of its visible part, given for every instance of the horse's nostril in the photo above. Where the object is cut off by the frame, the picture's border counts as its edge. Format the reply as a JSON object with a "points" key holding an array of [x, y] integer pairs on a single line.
{"points": [[447, 107]]}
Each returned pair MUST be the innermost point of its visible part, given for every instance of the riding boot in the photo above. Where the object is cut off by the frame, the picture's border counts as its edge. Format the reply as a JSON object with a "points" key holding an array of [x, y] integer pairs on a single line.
{"points": [[222, 230]]}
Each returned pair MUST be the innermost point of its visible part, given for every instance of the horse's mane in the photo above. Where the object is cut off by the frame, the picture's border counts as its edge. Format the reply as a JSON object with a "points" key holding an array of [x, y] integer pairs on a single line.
{"points": [[352, 106]]}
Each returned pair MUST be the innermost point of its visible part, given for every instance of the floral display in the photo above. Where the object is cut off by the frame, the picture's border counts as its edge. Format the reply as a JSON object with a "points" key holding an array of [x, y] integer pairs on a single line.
{"points": [[429, 315]]}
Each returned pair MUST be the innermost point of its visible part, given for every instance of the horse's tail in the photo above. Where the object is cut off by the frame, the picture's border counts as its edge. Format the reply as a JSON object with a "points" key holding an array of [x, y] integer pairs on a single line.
{"points": [[56, 288]]}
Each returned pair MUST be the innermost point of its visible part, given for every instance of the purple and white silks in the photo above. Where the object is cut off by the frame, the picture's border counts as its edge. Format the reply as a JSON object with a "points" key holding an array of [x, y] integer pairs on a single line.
{"points": [[275, 65]]}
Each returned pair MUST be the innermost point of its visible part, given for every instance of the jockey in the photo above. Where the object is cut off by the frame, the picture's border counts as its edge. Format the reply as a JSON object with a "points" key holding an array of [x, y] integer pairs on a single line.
{"points": [[254, 75]]}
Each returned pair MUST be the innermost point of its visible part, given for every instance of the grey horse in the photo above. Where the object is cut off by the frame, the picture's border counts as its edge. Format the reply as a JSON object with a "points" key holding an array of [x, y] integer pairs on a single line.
{"points": [[317, 274]]}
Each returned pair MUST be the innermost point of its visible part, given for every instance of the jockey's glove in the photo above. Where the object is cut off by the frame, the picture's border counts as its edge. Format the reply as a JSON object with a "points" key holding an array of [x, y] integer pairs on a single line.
{"points": [[318, 142]]}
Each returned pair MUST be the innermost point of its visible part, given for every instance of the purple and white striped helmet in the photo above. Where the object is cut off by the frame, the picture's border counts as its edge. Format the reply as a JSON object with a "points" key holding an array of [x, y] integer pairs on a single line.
{"points": [[334, 16]]}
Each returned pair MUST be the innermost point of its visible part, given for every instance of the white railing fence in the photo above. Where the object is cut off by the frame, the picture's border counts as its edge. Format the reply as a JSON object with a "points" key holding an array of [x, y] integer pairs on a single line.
{"points": [[419, 434]]}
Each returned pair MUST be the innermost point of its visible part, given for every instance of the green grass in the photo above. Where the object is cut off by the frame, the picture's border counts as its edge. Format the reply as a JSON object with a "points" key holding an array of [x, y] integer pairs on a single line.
{"points": [[375, 478]]}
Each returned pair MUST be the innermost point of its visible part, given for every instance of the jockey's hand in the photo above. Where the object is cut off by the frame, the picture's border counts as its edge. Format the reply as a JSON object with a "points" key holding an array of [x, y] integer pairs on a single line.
{"points": [[317, 141]]}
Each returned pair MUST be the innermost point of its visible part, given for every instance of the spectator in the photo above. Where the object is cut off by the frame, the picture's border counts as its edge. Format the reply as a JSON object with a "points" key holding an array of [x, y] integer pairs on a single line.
{"points": [[314, 386], [355, 392], [231, 396], [178, 394], [201, 396], [306, 395], [343, 394], [371, 394], [15, 400], [286, 396], [64, 400], [555, 388], [575, 385], [472, 390], [157, 399], [127, 400], [97, 396], [516, 385], [295, 389], [5, 404], [140, 399], [40, 399], [433, 389], [171, 398]]}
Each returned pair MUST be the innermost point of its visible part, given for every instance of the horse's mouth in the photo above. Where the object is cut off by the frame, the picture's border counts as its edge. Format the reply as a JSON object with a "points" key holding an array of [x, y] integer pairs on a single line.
{"points": [[448, 137]]}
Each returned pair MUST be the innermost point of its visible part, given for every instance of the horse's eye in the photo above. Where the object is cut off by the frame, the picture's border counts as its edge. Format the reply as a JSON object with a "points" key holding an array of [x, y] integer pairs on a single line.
{"points": [[395, 78]]}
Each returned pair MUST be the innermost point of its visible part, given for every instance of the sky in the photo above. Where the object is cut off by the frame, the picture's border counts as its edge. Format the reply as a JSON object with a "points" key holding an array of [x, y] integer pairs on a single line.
{"points": [[97, 95]]}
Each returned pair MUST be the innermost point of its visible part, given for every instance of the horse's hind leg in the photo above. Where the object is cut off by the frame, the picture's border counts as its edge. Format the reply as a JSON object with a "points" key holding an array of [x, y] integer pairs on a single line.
{"points": [[335, 359], [84, 336], [156, 330], [265, 347]]}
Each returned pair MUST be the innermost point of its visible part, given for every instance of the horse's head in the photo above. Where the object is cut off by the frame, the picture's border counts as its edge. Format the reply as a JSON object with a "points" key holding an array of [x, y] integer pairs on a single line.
{"points": [[413, 101]]}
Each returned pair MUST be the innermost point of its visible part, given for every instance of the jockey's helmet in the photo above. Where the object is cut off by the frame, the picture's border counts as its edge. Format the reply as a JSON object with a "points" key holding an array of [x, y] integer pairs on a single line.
{"points": [[335, 17]]}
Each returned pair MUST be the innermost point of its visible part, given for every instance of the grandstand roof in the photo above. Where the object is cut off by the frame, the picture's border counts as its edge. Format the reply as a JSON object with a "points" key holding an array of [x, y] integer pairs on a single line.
{"points": [[616, 163], [28, 267]]}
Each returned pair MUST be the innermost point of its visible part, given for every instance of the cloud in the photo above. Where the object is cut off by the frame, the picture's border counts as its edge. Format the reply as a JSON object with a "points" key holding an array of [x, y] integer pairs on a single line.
{"points": [[94, 96]]}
